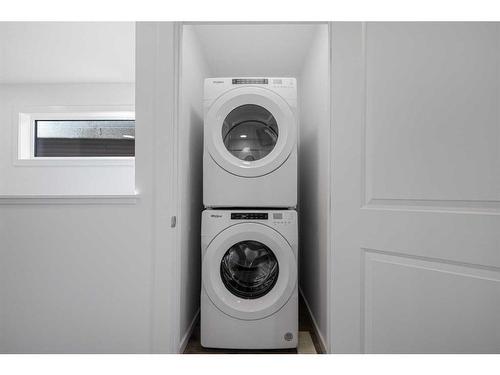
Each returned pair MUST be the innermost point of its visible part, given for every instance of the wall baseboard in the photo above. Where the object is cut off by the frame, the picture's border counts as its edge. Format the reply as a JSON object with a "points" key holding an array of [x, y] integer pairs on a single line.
{"points": [[189, 332], [320, 337]]}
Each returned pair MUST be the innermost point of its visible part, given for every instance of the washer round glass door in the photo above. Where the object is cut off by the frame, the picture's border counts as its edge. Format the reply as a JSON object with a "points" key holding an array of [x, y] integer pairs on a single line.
{"points": [[249, 271], [250, 131]]}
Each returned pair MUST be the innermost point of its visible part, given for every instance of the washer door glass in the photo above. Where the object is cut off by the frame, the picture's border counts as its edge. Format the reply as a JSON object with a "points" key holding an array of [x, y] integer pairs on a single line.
{"points": [[249, 269], [250, 132]]}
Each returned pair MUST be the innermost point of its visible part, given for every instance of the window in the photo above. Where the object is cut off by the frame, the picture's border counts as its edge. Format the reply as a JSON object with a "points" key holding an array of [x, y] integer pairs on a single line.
{"points": [[84, 138], [75, 136]]}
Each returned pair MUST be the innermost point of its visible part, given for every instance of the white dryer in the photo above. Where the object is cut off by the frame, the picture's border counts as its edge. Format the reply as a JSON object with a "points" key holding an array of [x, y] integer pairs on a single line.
{"points": [[250, 142], [249, 297]]}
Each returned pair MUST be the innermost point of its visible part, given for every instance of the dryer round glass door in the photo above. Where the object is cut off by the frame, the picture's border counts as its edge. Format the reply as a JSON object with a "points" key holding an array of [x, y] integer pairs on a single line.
{"points": [[250, 132], [249, 269]]}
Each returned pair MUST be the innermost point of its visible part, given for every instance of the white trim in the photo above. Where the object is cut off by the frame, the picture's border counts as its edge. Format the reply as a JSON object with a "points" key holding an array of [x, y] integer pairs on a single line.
{"points": [[23, 125], [189, 332], [321, 339], [330, 217], [176, 183], [76, 162], [162, 54], [21, 199]]}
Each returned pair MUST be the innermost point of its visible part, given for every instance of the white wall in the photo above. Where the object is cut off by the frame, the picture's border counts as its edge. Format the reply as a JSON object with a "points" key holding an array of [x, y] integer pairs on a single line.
{"points": [[194, 69], [75, 278], [23, 179], [314, 165], [268, 50], [67, 52]]}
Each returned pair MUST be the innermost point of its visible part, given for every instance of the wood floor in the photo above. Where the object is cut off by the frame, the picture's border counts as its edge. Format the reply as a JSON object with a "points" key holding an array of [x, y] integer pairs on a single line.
{"points": [[308, 341]]}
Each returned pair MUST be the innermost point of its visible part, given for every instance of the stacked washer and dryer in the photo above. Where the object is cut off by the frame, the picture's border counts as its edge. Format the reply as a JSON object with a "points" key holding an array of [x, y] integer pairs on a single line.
{"points": [[249, 240]]}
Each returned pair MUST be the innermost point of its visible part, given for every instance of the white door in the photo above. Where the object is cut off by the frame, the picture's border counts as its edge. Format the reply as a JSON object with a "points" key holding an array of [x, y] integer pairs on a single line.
{"points": [[415, 188], [251, 131]]}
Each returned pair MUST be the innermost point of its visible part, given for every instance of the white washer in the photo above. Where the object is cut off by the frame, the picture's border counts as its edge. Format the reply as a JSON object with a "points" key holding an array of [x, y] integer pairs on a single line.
{"points": [[250, 142], [249, 297]]}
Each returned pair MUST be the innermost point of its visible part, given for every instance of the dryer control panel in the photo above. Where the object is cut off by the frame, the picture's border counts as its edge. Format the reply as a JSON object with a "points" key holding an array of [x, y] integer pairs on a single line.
{"points": [[273, 82], [250, 81], [249, 216], [283, 86]]}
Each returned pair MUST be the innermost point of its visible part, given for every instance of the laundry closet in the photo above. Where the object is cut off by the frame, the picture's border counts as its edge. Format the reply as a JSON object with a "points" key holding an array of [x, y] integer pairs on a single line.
{"points": [[238, 50]]}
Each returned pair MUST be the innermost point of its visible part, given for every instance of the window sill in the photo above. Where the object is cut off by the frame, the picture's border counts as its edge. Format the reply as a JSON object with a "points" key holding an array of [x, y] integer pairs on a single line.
{"points": [[76, 162], [68, 199]]}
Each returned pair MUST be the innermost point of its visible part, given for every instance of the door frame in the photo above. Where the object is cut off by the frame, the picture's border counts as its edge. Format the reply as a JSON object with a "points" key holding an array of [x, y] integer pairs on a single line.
{"points": [[345, 330], [157, 60]]}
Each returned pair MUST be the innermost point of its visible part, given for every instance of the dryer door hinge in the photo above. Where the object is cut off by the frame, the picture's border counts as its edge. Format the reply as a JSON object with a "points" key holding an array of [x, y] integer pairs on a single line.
{"points": [[173, 221]]}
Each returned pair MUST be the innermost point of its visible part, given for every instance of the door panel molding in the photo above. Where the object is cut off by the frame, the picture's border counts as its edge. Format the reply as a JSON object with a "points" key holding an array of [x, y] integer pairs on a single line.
{"points": [[415, 296], [420, 198], [436, 205]]}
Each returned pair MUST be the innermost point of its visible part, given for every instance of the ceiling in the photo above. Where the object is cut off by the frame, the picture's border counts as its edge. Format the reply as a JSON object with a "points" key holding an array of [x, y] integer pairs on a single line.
{"points": [[256, 50], [67, 52]]}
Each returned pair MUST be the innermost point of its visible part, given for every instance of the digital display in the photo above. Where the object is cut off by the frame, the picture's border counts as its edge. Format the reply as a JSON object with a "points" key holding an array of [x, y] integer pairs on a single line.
{"points": [[249, 81], [249, 216]]}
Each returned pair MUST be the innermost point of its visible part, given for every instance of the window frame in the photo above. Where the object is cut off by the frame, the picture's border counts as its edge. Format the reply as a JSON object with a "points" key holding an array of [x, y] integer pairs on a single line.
{"points": [[24, 152]]}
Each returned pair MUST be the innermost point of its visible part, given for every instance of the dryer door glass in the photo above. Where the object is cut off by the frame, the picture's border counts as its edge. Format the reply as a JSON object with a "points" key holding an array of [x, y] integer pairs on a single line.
{"points": [[250, 132], [249, 269]]}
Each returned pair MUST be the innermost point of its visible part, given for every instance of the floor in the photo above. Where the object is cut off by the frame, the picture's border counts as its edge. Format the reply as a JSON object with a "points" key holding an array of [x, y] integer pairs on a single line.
{"points": [[308, 341]]}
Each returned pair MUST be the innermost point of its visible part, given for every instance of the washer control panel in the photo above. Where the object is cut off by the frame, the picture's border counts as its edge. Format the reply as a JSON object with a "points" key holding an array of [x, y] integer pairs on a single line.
{"points": [[282, 218]]}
